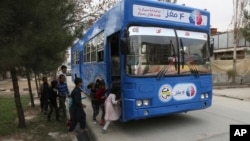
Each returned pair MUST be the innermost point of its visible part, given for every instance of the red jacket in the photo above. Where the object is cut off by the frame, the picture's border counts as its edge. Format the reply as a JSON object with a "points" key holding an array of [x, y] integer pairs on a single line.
{"points": [[100, 94]]}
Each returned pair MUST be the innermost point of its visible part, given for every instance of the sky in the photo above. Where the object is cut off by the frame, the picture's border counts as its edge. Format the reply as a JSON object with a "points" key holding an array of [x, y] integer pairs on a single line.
{"points": [[221, 11]]}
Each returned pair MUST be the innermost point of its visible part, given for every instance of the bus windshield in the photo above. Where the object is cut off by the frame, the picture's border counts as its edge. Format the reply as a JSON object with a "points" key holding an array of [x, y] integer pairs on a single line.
{"points": [[155, 51]]}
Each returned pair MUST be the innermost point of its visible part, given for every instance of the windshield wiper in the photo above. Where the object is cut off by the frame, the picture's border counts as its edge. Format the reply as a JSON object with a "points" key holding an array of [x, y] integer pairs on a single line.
{"points": [[193, 69], [172, 61], [182, 54], [161, 72]]}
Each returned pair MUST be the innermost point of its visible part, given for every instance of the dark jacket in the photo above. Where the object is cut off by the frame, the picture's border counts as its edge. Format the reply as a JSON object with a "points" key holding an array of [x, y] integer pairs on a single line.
{"points": [[77, 113], [45, 91], [92, 94], [52, 95]]}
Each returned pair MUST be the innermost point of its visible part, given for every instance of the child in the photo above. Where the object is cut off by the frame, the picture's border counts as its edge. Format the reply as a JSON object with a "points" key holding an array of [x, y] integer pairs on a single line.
{"points": [[112, 109], [94, 104], [63, 93], [100, 96], [44, 90], [52, 100], [63, 70], [77, 113]]}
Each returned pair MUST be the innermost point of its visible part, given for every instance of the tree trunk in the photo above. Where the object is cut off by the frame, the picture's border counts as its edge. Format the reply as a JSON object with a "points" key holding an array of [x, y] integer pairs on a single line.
{"points": [[19, 107], [37, 88], [4, 74], [39, 79], [30, 89]]}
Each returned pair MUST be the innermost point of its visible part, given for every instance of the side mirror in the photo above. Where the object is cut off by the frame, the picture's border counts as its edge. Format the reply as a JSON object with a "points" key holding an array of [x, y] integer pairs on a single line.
{"points": [[124, 44], [211, 50]]}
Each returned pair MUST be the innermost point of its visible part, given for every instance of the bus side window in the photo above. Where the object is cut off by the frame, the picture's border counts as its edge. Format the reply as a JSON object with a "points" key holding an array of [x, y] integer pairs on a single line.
{"points": [[100, 55]]}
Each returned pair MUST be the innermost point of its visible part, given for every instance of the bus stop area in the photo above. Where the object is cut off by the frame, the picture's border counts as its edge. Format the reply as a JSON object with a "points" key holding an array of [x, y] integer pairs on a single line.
{"points": [[117, 130]]}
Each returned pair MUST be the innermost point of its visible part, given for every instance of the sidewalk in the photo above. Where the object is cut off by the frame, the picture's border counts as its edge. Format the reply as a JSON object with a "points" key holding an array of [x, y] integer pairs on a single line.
{"points": [[236, 93], [6, 85]]}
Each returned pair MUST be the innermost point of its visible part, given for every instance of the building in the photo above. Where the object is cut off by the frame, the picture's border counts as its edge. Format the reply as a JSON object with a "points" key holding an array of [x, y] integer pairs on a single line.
{"points": [[222, 59], [223, 46]]}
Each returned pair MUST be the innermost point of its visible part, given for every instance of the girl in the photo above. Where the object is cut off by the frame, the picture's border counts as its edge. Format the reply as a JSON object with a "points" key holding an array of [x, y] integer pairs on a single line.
{"points": [[112, 109]]}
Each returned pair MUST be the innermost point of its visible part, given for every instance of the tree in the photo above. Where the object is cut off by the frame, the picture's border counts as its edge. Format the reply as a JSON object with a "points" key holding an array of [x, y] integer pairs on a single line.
{"points": [[90, 10], [238, 22], [246, 28], [35, 34]]}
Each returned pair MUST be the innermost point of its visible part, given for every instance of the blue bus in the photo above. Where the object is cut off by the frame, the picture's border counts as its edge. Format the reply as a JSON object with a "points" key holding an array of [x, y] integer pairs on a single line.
{"points": [[155, 53]]}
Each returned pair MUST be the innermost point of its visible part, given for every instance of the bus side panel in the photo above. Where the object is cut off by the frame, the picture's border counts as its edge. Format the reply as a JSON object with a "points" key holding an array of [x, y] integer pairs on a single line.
{"points": [[91, 72]]}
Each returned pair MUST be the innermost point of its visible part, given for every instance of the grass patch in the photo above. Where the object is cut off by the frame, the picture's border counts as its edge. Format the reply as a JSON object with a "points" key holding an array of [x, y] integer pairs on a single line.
{"points": [[9, 114], [36, 129]]}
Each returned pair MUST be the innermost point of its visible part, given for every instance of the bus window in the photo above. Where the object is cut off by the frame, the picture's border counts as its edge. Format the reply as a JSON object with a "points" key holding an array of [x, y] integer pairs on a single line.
{"points": [[195, 52], [151, 52], [100, 55]]}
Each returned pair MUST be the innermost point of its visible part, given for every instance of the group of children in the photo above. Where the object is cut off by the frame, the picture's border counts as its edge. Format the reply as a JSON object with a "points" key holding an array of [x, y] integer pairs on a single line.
{"points": [[110, 105], [49, 94]]}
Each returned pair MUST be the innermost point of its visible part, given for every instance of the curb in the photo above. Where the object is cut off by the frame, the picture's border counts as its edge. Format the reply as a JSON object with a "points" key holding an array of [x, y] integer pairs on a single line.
{"points": [[231, 86], [222, 95], [91, 135], [11, 90]]}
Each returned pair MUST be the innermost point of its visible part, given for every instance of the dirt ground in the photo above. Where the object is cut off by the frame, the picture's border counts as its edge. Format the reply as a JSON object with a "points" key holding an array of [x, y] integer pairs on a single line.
{"points": [[6, 88]]}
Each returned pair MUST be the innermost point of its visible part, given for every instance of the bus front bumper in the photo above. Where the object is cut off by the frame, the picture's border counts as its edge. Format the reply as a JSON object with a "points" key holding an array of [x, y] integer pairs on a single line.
{"points": [[148, 112]]}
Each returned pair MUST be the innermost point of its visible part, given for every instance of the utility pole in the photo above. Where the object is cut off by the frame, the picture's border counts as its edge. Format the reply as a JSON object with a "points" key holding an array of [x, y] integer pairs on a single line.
{"points": [[236, 4]]}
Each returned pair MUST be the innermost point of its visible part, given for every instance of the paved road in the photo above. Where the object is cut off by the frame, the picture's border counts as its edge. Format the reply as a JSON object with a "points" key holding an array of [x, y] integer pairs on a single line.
{"points": [[212, 124]]}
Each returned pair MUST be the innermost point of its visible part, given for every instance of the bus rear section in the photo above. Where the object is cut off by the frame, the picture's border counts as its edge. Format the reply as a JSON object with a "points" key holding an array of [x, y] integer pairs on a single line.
{"points": [[76, 59]]}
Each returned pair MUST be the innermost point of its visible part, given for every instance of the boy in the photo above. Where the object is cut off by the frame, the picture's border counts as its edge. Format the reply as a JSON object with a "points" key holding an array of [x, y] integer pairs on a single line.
{"points": [[44, 91], [63, 70], [63, 93], [77, 113], [52, 100]]}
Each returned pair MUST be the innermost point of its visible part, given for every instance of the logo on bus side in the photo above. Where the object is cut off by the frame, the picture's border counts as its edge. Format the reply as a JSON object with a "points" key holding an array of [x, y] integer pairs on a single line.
{"points": [[184, 91], [195, 18], [165, 93]]}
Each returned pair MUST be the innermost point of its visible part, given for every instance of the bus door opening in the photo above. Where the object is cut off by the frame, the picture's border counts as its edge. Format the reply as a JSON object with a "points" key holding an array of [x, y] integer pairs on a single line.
{"points": [[115, 61]]}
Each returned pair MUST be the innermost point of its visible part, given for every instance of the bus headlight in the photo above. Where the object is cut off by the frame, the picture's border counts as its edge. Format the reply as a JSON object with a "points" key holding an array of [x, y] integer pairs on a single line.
{"points": [[138, 103], [206, 95], [146, 102], [202, 96]]}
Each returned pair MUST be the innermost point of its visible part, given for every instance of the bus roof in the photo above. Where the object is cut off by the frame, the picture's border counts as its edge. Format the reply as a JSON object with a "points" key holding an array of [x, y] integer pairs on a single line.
{"points": [[149, 13]]}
